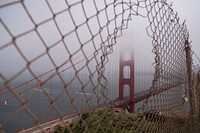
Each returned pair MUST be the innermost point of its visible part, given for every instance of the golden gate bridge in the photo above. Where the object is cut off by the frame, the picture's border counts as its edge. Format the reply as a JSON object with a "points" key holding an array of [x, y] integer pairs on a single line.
{"points": [[55, 63]]}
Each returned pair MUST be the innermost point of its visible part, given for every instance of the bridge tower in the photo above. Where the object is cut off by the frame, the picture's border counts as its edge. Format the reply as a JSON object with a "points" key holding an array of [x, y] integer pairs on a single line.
{"points": [[126, 60]]}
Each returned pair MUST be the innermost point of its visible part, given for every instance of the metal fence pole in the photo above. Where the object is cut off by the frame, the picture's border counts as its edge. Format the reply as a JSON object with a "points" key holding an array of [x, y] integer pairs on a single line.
{"points": [[198, 97], [192, 92]]}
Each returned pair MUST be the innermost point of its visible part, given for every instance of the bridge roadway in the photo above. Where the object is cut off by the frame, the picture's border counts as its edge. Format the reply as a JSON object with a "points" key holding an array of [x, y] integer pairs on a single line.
{"points": [[115, 103], [142, 95]]}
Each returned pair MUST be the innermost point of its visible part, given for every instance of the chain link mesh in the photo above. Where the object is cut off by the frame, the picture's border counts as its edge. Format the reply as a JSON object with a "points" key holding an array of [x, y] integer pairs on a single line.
{"points": [[71, 40]]}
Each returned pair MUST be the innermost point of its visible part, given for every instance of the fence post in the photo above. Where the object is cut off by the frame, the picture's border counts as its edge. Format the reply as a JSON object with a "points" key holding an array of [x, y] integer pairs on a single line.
{"points": [[192, 92], [198, 97]]}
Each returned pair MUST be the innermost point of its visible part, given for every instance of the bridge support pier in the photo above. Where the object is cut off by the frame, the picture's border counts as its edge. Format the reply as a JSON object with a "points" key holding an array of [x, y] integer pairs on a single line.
{"points": [[128, 78]]}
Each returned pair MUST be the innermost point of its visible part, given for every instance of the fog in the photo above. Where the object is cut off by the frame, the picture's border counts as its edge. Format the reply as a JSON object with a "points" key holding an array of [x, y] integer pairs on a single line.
{"points": [[188, 11], [41, 41]]}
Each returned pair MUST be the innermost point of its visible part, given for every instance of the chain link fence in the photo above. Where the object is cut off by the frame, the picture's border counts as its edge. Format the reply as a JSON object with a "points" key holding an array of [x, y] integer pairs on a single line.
{"points": [[53, 58]]}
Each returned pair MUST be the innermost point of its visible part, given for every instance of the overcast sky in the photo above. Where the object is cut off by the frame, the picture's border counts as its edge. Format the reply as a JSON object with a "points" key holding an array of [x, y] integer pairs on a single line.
{"points": [[189, 10], [18, 22]]}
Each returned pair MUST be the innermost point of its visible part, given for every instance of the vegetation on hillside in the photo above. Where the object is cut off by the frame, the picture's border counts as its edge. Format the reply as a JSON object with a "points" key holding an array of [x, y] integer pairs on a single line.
{"points": [[109, 120]]}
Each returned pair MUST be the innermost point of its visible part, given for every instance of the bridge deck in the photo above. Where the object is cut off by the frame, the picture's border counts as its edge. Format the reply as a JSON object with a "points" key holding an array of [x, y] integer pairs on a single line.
{"points": [[142, 95]]}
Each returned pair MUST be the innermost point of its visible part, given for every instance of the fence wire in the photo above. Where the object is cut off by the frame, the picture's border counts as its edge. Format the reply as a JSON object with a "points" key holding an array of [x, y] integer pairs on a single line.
{"points": [[53, 56]]}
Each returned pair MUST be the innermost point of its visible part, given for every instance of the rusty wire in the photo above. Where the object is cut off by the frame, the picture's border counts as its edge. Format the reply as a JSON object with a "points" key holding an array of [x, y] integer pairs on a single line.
{"points": [[64, 27]]}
